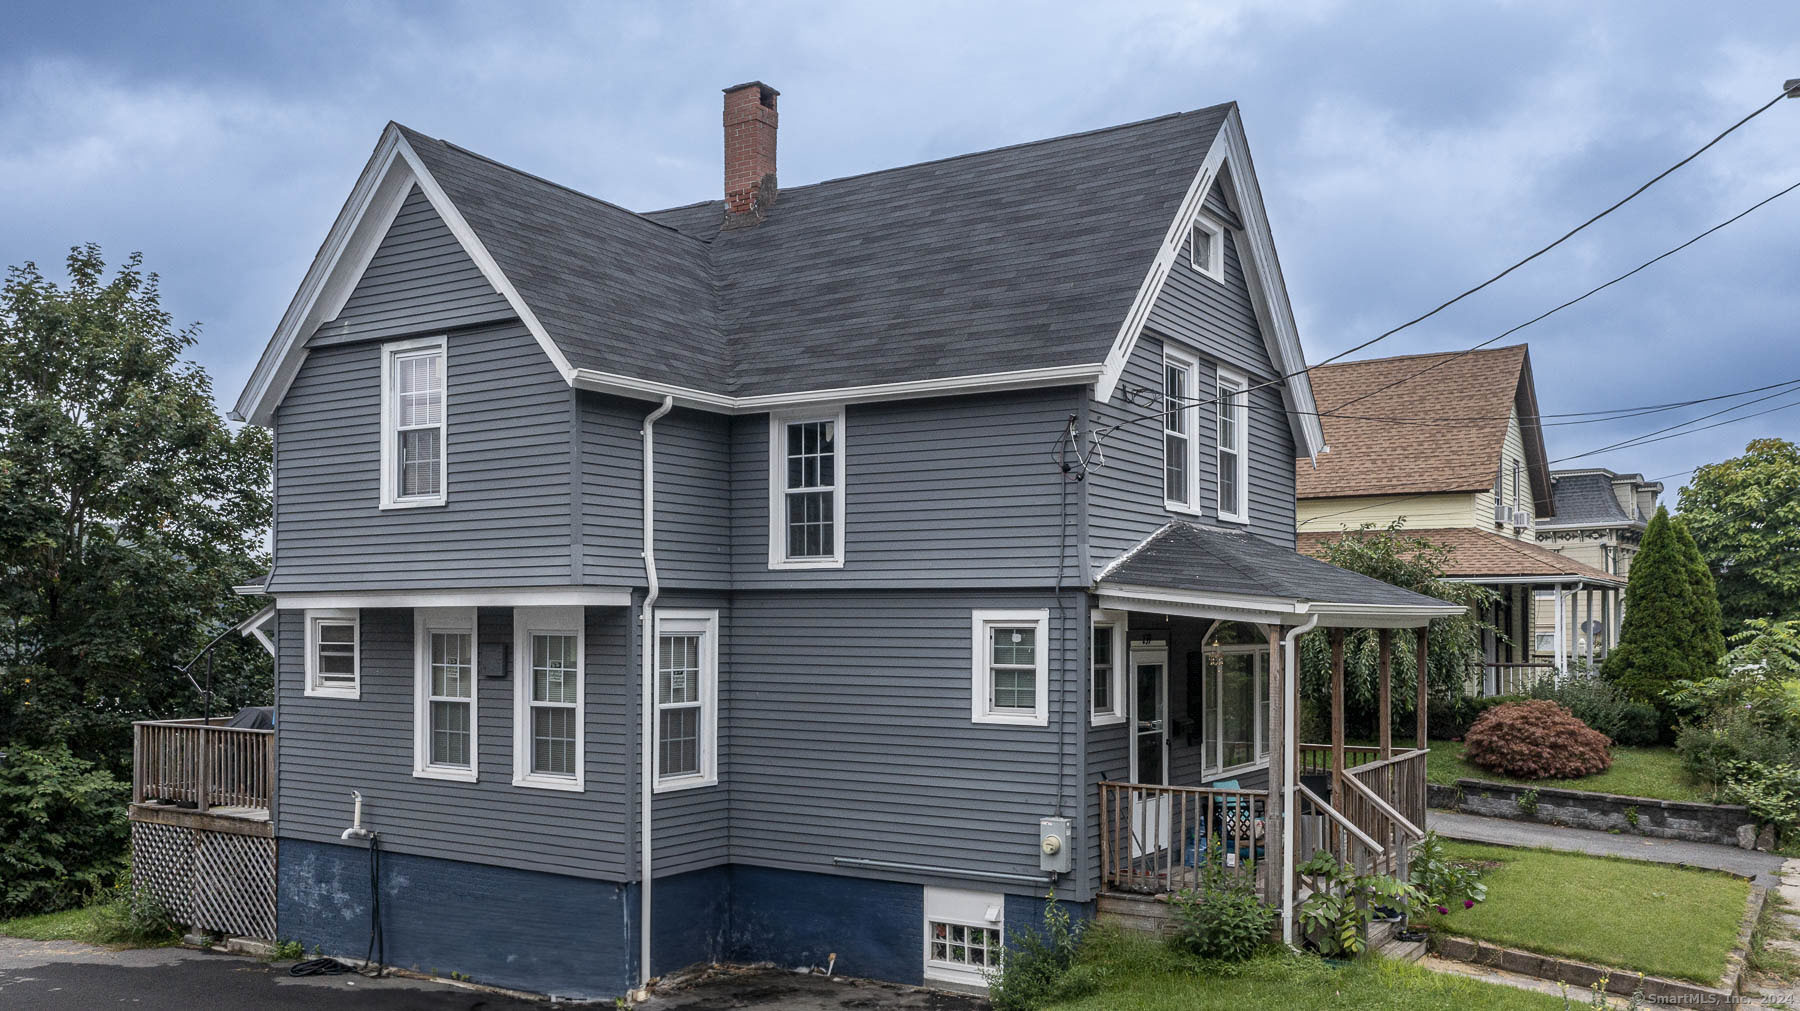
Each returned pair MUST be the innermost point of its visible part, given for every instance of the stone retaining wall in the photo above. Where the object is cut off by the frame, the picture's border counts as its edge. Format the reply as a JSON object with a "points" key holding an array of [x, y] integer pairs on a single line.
{"points": [[1725, 824]]}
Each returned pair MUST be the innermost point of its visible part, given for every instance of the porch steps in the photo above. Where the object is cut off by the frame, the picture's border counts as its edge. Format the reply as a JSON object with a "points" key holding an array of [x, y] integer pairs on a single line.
{"points": [[1145, 914], [1403, 951]]}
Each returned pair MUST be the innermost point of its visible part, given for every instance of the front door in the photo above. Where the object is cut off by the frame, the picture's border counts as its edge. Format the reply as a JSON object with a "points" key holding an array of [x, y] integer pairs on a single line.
{"points": [[1150, 746]]}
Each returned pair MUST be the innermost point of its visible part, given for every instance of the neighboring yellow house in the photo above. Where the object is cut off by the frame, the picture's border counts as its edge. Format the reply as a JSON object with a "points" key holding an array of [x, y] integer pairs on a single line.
{"points": [[1451, 444], [1600, 520]]}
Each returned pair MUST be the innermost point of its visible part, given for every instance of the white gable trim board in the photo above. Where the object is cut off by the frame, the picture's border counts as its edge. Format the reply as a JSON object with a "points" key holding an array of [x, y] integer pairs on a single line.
{"points": [[1230, 158]]}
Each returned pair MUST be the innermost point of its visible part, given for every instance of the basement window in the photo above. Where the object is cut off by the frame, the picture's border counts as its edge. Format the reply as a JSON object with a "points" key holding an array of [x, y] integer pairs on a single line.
{"points": [[964, 936]]}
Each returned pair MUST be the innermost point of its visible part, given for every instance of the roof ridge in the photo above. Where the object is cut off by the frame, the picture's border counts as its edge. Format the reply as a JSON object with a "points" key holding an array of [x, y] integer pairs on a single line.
{"points": [[553, 184], [1133, 551], [1472, 352]]}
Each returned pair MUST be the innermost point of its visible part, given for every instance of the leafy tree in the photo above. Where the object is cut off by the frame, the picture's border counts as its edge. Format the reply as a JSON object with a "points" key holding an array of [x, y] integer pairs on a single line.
{"points": [[1414, 563], [128, 510], [1744, 514], [1668, 632]]}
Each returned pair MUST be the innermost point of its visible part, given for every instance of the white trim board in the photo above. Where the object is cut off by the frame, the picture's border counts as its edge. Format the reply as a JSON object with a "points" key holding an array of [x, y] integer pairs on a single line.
{"points": [[539, 596], [1230, 157], [1019, 379]]}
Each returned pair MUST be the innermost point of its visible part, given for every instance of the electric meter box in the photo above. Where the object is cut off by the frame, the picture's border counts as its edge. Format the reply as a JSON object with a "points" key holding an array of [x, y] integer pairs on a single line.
{"points": [[1055, 854]]}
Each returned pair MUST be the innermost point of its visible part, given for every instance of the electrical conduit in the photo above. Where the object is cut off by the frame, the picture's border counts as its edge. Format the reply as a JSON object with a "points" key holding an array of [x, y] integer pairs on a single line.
{"points": [[647, 775]]}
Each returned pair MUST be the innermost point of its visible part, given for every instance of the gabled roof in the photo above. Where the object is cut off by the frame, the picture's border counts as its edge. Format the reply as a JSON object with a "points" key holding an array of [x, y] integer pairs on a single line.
{"points": [[1449, 426], [1477, 554], [1195, 559], [1026, 265]]}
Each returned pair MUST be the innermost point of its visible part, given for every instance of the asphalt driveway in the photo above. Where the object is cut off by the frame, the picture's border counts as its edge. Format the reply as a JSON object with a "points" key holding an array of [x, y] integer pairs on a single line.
{"points": [[65, 975]]}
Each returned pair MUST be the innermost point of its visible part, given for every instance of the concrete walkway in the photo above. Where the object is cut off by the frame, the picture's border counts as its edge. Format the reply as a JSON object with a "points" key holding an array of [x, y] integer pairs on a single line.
{"points": [[1764, 867]]}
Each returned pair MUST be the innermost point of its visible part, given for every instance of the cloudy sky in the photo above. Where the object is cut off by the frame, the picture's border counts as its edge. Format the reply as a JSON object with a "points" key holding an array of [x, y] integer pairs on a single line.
{"points": [[1406, 151]]}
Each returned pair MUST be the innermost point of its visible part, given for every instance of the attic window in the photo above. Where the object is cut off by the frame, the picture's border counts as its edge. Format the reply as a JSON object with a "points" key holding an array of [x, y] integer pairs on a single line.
{"points": [[1206, 250], [413, 428]]}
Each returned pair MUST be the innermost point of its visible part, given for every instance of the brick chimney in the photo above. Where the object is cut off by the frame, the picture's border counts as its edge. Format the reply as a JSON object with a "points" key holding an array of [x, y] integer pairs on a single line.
{"points": [[749, 152]]}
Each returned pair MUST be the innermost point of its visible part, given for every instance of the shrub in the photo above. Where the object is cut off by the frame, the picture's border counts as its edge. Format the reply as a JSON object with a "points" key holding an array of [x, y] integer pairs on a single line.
{"points": [[1343, 902], [1771, 792], [62, 831], [1222, 919], [135, 917], [1035, 970], [1536, 739], [1604, 707], [1442, 882]]}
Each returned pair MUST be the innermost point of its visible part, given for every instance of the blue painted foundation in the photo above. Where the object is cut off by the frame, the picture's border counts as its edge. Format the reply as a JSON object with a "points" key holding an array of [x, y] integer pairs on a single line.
{"points": [[573, 937]]}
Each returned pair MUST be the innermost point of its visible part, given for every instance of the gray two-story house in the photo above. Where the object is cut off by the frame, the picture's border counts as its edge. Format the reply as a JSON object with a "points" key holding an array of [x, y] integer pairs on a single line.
{"points": [[835, 570]]}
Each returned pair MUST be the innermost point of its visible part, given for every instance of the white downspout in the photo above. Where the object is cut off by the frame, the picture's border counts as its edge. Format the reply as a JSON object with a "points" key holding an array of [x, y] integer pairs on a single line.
{"points": [[647, 775], [1290, 773]]}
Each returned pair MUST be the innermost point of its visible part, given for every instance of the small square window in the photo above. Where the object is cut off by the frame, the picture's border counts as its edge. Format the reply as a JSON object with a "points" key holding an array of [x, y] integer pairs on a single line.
{"points": [[333, 664], [1011, 668], [1206, 248]]}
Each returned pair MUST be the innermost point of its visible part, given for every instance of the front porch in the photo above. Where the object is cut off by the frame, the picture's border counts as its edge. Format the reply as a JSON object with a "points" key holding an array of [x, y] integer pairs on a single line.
{"points": [[1213, 764]]}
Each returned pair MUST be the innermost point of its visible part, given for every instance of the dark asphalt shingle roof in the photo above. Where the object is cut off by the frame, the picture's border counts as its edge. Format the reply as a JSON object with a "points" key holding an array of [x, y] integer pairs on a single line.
{"points": [[1022, 257], [1587, 499], [1187, 556]]}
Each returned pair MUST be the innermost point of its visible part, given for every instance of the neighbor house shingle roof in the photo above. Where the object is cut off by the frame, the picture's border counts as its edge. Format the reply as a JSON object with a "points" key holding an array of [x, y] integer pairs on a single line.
{"points": [[1450, 425], [1585, 498], [1187, 556], [1022, 257], [1482, 553]]}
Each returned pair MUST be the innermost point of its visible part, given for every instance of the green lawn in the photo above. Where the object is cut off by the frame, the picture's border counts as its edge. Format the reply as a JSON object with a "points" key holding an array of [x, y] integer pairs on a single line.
{"points": [[1654, 918], [1140, 974], [69, 925], [1635, 772]]}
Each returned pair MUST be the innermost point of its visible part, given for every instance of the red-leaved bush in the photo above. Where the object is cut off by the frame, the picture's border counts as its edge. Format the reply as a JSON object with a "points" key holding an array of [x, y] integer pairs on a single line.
{"points": [[1536, 739]]}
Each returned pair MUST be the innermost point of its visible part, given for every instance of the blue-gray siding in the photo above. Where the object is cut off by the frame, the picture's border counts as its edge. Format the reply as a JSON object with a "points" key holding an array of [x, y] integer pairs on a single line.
{"points": [[329, 747], [419, 280], [506, 522]]}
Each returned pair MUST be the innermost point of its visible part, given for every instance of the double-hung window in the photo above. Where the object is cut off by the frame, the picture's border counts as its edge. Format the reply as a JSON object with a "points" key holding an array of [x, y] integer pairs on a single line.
{"points": [[548, 697], [1234, 457], [687, 699], [444, 693], [333, 669], [806, 490], [1181, 414], [1011, 673], [414, 403], [1106, 690]]}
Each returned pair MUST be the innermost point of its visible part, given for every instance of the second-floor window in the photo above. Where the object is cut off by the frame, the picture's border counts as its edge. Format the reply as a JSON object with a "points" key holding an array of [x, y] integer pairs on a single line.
{"points": [[1234, 450], [414, 404], [1181, 412], [806, 483]]}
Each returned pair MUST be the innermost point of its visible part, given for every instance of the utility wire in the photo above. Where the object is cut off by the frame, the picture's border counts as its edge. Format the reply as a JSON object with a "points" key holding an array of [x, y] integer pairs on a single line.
{"points": [[1645, 441], [1579, 298]]}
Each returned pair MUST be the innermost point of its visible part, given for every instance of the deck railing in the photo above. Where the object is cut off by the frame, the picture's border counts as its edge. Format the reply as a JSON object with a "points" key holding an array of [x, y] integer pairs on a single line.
{"points": [[1507, 678], [1156, 838], [202, 764], [1386, 799]]}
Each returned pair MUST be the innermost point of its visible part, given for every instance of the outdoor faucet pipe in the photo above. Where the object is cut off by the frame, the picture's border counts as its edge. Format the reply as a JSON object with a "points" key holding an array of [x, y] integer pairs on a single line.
{"points": [[1290, 771], [647, 774]]}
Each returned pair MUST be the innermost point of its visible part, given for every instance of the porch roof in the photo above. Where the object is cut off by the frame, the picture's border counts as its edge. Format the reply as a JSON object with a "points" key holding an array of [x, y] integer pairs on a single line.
{"points": [[1483, 555], [1185, 568]]}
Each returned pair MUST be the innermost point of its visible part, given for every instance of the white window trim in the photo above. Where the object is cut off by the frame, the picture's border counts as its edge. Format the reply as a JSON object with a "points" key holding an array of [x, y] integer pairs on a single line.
{"points": [[1214, 233], [778, 422], [964, 908], [1181, 357], [676, 621], [1241, 405], [334, 614], [1119, 623], [549, 621], [427, 620], [390, 490], [981, 682]]}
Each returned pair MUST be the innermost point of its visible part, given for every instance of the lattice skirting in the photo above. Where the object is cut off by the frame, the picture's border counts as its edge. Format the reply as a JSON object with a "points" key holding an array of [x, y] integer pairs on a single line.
{"points": [[207, 880]]}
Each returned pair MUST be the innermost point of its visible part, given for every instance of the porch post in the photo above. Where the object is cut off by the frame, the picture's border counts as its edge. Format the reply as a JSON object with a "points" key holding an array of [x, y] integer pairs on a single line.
{"points": [[1420, 650], [1385, 637], [1556, 641], [1273, 836], [1337, 716], [1587, 624]]}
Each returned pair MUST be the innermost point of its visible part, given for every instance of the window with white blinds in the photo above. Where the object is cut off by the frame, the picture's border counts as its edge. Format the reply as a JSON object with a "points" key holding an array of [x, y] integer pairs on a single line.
{"points": [[414, 409], [686, 698]]}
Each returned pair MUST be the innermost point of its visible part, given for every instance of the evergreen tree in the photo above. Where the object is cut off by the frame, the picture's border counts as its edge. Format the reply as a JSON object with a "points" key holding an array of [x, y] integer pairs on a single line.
{"points": [[1706, 595], [1665, 636]]}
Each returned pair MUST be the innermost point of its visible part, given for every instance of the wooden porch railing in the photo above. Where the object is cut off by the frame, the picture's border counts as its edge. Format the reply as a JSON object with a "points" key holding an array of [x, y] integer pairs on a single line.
{"points": [[1315, 759], [1386, 799], [203, 764], [1156, 838], [1508, 678]]}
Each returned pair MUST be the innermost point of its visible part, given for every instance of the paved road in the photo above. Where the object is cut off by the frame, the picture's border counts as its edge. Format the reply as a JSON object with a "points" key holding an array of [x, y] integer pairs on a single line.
{"points": [[1765, 867], [64, 975]]}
